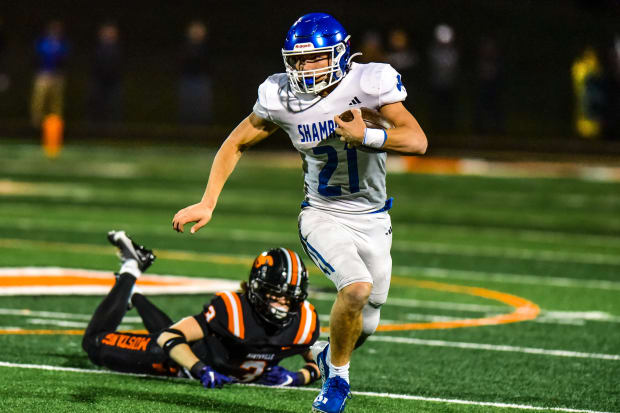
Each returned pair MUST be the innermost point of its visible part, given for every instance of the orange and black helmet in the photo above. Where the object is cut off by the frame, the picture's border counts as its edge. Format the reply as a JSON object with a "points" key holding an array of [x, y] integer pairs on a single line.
{"points": [[279, 272]]}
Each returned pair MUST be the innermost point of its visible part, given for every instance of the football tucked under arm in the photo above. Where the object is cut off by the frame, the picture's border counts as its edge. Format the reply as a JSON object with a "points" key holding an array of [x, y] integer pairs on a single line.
{"points": [[373, 119]]}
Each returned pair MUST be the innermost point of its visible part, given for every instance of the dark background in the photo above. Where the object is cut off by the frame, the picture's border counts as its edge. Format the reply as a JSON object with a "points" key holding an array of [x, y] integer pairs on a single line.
{"points": [[538, 42]]}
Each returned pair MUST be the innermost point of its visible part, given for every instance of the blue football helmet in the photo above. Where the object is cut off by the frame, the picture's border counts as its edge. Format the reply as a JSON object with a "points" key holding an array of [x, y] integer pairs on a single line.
{"points": [[311, 34]]}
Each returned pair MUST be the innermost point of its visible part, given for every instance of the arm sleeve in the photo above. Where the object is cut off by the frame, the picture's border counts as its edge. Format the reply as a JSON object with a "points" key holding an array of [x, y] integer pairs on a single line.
{"points": [[212, 352], [200, 318]]}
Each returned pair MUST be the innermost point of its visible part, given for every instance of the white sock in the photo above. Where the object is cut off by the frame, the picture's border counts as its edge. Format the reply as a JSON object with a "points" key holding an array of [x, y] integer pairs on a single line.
{"points": [[131, 267], [342, 371]]}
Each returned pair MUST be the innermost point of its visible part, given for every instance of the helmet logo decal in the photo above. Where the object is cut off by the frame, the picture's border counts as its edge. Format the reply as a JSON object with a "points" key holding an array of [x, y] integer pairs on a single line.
{"points": [[304, 46], [262, 260]]}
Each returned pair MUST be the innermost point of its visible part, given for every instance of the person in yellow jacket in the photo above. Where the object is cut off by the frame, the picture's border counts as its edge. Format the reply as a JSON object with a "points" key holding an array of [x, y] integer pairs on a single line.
{"points": [[589, 94]]}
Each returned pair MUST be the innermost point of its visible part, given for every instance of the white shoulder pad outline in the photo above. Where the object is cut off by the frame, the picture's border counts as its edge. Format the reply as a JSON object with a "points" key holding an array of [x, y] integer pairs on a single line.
{"points": [[370, 81], [268, 92], [386, 84]]}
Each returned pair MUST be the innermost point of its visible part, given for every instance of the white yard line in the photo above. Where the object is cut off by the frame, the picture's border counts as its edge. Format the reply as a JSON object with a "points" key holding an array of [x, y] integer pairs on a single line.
{"points": [[417, 317], [59, 323], [433, 272], [492, 347], [592, 258], [576, 318], [581, 315], [312, 389], [445, 273], [72, 324], [410, 302], [548, 236], [443, 248], [241, 234], [546, 316], [58, 315], [505, 252], [597, 316], [474, 403]]}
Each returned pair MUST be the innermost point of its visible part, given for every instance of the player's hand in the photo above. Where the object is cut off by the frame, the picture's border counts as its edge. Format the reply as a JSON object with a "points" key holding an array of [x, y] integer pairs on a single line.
{"points": [[351, 132], [279, 376], [211, 379], [198, 213]]}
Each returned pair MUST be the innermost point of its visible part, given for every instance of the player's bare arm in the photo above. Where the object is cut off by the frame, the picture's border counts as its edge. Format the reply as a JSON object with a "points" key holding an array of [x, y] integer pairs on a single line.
{"points": [[406, 138], [250, 131], [182, 353]]}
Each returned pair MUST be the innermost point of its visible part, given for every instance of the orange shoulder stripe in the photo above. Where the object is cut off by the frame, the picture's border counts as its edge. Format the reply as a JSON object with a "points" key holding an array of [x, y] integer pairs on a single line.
{"points": [[307, 324], [241, 324], [235, 313]]}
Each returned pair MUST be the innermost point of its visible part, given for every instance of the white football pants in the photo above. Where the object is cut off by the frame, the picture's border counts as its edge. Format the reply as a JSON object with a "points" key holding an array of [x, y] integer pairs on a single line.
{"points": [[351, 248]]}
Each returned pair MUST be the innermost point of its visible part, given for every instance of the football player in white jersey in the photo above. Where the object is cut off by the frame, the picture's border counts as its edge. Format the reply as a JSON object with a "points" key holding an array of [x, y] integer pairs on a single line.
{"points": [[344, 225]]}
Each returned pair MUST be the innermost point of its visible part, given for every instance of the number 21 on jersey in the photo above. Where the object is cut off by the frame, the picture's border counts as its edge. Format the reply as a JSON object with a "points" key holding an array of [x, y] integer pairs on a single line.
{"points": [[330, 167]]}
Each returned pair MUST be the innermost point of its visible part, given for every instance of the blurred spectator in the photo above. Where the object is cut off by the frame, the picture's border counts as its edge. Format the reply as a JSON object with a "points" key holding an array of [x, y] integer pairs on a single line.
{"points": [[444, 67], [400, 54], [372, 48], [4, 76], [589, 94], [105, 97], [612, 111], [49, 81], [488, 116], [195, 90]]}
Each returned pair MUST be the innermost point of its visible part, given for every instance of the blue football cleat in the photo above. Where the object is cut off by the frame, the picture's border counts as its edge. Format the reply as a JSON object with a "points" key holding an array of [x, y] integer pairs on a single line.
{"points": [[333, 396], [319, 354]]}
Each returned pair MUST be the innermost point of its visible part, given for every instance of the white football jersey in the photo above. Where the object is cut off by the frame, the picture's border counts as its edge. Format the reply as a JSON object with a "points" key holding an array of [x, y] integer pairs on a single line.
{"points": [[336, 177]]}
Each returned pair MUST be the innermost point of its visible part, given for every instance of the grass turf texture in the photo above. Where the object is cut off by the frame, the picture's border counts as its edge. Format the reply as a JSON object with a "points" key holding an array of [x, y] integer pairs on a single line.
{"points": [[551, 241]]}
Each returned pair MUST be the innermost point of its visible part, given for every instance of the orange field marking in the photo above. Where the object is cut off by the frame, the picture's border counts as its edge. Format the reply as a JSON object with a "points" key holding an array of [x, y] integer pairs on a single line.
{"points": [[68, 281], [71, 280], [63, 332], [522, 309]]}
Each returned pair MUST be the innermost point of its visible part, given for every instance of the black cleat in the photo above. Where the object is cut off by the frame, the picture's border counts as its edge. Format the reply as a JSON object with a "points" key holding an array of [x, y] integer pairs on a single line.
{"points": [[130, 250]]}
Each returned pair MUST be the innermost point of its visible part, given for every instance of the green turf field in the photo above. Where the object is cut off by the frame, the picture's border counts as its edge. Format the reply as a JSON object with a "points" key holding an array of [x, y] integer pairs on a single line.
{"points": [[550, 242]]}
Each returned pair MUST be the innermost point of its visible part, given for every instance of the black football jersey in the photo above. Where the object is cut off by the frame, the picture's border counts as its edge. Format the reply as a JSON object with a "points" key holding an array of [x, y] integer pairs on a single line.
{"points": [[240, 344]]}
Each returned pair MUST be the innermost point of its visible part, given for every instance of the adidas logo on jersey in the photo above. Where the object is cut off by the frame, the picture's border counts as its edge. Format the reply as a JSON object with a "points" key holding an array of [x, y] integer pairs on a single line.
{"points": [[355, 101]]}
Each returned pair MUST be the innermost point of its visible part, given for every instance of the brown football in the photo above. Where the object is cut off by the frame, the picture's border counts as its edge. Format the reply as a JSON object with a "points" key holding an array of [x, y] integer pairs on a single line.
{"points": [[373, 119]]}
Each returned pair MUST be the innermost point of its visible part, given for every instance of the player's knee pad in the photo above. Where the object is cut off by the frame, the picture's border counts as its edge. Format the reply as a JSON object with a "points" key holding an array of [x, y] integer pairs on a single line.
{"points": [[371, 314]]}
